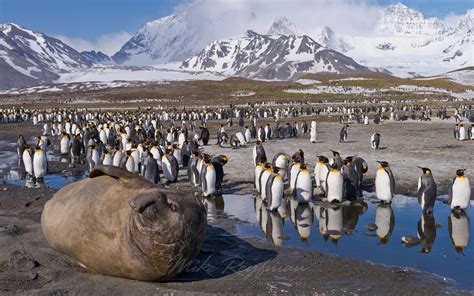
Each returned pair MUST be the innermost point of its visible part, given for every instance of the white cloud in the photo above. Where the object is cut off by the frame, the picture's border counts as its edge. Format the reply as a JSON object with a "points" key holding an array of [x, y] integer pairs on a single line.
{"points": [[223, 18], [108, 43]]}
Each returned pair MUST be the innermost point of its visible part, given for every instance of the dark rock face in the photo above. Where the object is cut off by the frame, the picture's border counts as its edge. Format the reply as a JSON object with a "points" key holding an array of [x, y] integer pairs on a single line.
{"points": [[97, 57]]}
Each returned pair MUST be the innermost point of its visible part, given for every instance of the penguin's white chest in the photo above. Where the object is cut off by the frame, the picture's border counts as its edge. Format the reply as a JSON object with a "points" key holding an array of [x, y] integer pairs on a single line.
{"points": [[303, 187], [461, 193], [277, 189], [334, 186], [382, 186], [210, 181], [39, 164]]}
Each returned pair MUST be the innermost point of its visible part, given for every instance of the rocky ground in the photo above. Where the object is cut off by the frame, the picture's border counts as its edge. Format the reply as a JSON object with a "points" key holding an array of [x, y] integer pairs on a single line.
{"points": [[227, 263]]}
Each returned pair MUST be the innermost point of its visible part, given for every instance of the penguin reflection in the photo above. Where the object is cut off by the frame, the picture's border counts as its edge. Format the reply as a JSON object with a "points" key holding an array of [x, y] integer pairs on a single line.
{"points": [[274, 228], [213, 205], [261, 214], [351, 215], [330, 223], [385, 222], [426, 231], [458, 226], [304, 220]]}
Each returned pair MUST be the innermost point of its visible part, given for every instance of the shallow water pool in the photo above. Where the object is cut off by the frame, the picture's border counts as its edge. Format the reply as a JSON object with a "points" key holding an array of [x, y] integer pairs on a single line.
{"points": [[438, 243]]}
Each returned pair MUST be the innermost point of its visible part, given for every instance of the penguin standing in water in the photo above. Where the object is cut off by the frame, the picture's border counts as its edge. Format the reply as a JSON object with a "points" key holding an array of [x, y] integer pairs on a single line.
{"points": [[274, 190], [303, 191], [334, 184], [208, 177], [375, 141], [40, 163], [20, 146], [350, 180], [219, 162], [343, 133], [259, 154], [426, 190], [27, 158], [193, 173], [459, 230], [150, 170], [384, 183], [170, 166], [460, 192]]}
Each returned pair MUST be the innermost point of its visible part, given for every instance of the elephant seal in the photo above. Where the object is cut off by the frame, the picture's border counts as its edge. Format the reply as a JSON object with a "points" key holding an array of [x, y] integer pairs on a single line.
{"points": [[117, 223]]}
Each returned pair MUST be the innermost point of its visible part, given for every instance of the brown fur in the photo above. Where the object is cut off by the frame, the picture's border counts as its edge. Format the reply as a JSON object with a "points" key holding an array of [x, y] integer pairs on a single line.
{"points": [[118, 224]]}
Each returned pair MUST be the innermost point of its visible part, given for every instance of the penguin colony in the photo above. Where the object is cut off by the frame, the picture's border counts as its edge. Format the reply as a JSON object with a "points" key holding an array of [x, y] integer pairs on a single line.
{"points": [[140, 143]]}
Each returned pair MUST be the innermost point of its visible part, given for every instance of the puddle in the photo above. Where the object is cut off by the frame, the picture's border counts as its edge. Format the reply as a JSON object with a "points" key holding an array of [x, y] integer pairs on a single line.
{"points": [[344, 231], [12, 172]]}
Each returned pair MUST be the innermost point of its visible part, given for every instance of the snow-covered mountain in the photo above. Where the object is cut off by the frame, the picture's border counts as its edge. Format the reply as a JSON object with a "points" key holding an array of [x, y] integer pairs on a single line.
{"points": [[279, 56], [168, 39], [398, 19], [407, 44], [283, 26], [97, 57], [28, 57]]}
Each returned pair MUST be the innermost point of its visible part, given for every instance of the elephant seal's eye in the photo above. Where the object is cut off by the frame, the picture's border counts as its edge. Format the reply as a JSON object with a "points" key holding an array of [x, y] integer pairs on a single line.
{"points": [[172, 207]]}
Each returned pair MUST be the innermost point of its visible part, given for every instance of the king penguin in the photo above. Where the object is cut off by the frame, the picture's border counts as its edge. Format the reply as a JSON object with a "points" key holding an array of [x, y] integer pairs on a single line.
{"points": [[426, 190], [460, 192], [40, 163], [375, 141], [334, 184], [170, 166], [150, 169], [21, 143], [274, 191], [321, 172], [28, 160], [193, 173], [259, 154], [384, 183], [208, 177], [303, 191], [350, 180]]}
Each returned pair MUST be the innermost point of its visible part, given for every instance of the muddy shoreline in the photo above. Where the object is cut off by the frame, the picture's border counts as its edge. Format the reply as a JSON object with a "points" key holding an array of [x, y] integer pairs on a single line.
{"points": [[227, 263]]}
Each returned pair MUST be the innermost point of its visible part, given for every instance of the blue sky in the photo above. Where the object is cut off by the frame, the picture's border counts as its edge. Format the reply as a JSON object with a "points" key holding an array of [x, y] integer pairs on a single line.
{"points": [[106, 24]]}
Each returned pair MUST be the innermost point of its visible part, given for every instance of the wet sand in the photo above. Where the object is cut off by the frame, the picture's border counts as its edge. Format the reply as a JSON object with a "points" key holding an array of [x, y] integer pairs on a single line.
{"points": [[227, 263]]}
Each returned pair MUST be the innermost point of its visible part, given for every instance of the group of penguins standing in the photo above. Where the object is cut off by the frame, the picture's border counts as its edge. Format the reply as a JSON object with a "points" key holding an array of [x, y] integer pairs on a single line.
{"points": [[146, 151], [339, 179]]}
